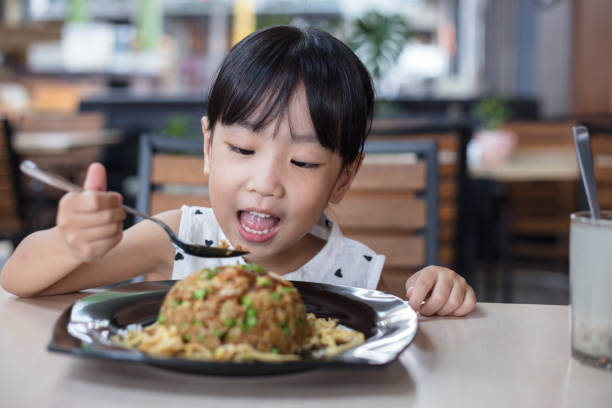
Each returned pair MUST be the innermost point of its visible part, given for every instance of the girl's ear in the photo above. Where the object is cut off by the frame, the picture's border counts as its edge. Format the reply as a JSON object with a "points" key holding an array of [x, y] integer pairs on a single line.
{"points": [[207, 144], [345, 180]]}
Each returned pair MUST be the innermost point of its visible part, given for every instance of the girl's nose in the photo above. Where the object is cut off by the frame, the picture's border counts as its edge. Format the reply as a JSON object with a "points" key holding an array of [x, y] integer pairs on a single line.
{"points": [[266, 179]]}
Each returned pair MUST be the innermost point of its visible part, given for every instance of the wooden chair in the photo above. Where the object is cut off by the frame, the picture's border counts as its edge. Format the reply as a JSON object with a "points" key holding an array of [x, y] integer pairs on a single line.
{"points": [[170, 174], [450, 181], [11, 220], [392, 206]]}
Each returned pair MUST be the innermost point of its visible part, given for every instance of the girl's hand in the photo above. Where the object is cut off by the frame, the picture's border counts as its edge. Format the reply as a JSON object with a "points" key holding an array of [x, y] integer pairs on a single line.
{"points": [[449, 293], [91, 222]]}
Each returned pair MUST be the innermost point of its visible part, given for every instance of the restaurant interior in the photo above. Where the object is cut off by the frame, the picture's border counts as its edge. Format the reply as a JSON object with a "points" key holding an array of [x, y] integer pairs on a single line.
{"points": [[497, 86]]}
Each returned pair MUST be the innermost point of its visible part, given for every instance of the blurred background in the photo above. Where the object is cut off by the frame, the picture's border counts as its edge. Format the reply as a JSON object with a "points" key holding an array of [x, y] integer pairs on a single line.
{"points": [[498, 85]]}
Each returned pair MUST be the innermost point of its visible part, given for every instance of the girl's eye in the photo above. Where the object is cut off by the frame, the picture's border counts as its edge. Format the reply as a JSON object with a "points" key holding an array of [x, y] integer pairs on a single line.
{"points": [[305, 165], [245, 152]]}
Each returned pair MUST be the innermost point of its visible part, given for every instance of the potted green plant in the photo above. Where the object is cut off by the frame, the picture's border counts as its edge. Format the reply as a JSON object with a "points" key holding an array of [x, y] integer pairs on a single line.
{"points": [[378, 40], [491, 144]]}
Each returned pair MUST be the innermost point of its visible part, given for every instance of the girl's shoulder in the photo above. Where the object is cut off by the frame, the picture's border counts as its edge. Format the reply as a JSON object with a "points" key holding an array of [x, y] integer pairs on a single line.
{"points": [[342, 261]]}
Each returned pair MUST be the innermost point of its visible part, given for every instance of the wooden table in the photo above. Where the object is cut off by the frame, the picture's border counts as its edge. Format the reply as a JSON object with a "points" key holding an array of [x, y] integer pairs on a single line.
{"points": [[532, 166], [502, 355]]}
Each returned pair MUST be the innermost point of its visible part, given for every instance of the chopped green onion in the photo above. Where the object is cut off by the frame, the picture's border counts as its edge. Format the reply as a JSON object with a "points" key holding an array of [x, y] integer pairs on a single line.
{"points": [[257, 268], [275, 296], [230, 322], [247, 301], [286, 289], [199, 294], [201, 337], [218, 333], [263, 281], [161, 319], [274, 350], [251, 312], [195, 322], [186, 338], [251, 321]]}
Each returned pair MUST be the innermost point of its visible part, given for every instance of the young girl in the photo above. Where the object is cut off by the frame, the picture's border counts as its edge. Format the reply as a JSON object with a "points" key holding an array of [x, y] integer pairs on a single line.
{"points": [[287, 119]]}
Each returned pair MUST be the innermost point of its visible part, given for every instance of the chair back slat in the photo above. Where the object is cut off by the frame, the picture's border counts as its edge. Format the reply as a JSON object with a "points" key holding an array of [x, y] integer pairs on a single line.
{"points": [[161, 201], [402, 251], [178, 169], [397, 176], [380, 211]]}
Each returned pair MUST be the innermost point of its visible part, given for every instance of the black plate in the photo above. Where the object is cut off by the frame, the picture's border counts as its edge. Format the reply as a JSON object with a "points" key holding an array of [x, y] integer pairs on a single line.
{"points": [[84, 329]]}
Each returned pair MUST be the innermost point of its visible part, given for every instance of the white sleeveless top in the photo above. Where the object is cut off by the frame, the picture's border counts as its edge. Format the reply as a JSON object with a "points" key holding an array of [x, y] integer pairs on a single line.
{"points": [[342, 261]]}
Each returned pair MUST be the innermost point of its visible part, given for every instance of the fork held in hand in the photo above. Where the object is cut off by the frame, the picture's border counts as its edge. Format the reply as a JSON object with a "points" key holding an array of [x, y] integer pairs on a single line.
{"points": [[31, 169]]}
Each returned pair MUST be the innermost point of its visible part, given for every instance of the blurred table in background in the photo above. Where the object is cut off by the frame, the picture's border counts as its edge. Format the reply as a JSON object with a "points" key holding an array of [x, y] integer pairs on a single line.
{"points": [[531, 166], [63, 143], [523, 204]]}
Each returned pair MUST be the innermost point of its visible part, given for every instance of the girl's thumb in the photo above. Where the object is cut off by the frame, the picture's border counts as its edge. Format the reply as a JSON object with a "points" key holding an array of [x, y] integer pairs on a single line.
{"points": [[96, 177]]}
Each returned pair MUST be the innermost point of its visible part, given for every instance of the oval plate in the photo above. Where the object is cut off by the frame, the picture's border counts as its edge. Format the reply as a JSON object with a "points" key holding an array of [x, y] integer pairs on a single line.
{"points": [[388, 323]]}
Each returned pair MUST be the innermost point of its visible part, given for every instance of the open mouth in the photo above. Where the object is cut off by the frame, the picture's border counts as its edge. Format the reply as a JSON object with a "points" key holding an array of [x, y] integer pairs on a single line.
{"points": [[257, 226]]}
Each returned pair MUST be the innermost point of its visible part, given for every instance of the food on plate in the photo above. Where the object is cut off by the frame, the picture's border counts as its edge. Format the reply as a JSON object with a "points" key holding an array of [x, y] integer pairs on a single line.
{"points": [[238, 313]]}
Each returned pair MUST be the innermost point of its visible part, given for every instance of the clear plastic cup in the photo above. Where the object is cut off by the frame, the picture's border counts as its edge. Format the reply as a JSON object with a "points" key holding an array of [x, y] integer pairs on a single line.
{"points": [[591, 288]]}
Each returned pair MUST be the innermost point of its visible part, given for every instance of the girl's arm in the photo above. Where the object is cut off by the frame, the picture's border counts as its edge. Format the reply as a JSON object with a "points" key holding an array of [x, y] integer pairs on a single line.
{"points": [[43, 264], [87, 248]]}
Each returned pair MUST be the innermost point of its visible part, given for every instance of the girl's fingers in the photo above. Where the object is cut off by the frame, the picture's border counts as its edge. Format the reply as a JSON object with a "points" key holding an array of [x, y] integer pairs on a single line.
{"points": [[455, 299], [81, 238], [89, 201], [94, 201], [91, 220], [102, 232], [469, 302], [422, 287], [438, 297]]}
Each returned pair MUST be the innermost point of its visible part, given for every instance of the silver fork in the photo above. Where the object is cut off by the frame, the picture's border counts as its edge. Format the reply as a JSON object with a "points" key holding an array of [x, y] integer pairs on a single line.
{"points": [[31, 169]]}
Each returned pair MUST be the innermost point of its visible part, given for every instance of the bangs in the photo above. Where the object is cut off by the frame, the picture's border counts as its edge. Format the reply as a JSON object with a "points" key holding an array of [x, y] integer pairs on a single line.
{"points": [[255, 83]]}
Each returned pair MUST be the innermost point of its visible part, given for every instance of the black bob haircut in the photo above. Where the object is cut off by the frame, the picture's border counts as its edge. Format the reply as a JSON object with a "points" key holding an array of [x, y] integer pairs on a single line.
{"points": [[263, 70]]}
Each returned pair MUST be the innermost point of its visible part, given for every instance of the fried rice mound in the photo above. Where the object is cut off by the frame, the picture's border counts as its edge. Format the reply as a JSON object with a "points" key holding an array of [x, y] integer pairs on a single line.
{"points": [[240, 304]]}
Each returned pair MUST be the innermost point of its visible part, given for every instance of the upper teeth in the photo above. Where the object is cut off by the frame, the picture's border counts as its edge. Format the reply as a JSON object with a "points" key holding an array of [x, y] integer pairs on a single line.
{"points": [[258, 214]]}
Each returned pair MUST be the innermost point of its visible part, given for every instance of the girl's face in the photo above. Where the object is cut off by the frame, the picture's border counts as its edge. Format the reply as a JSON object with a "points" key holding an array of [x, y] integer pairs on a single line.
{"points": [[268, 188]]}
